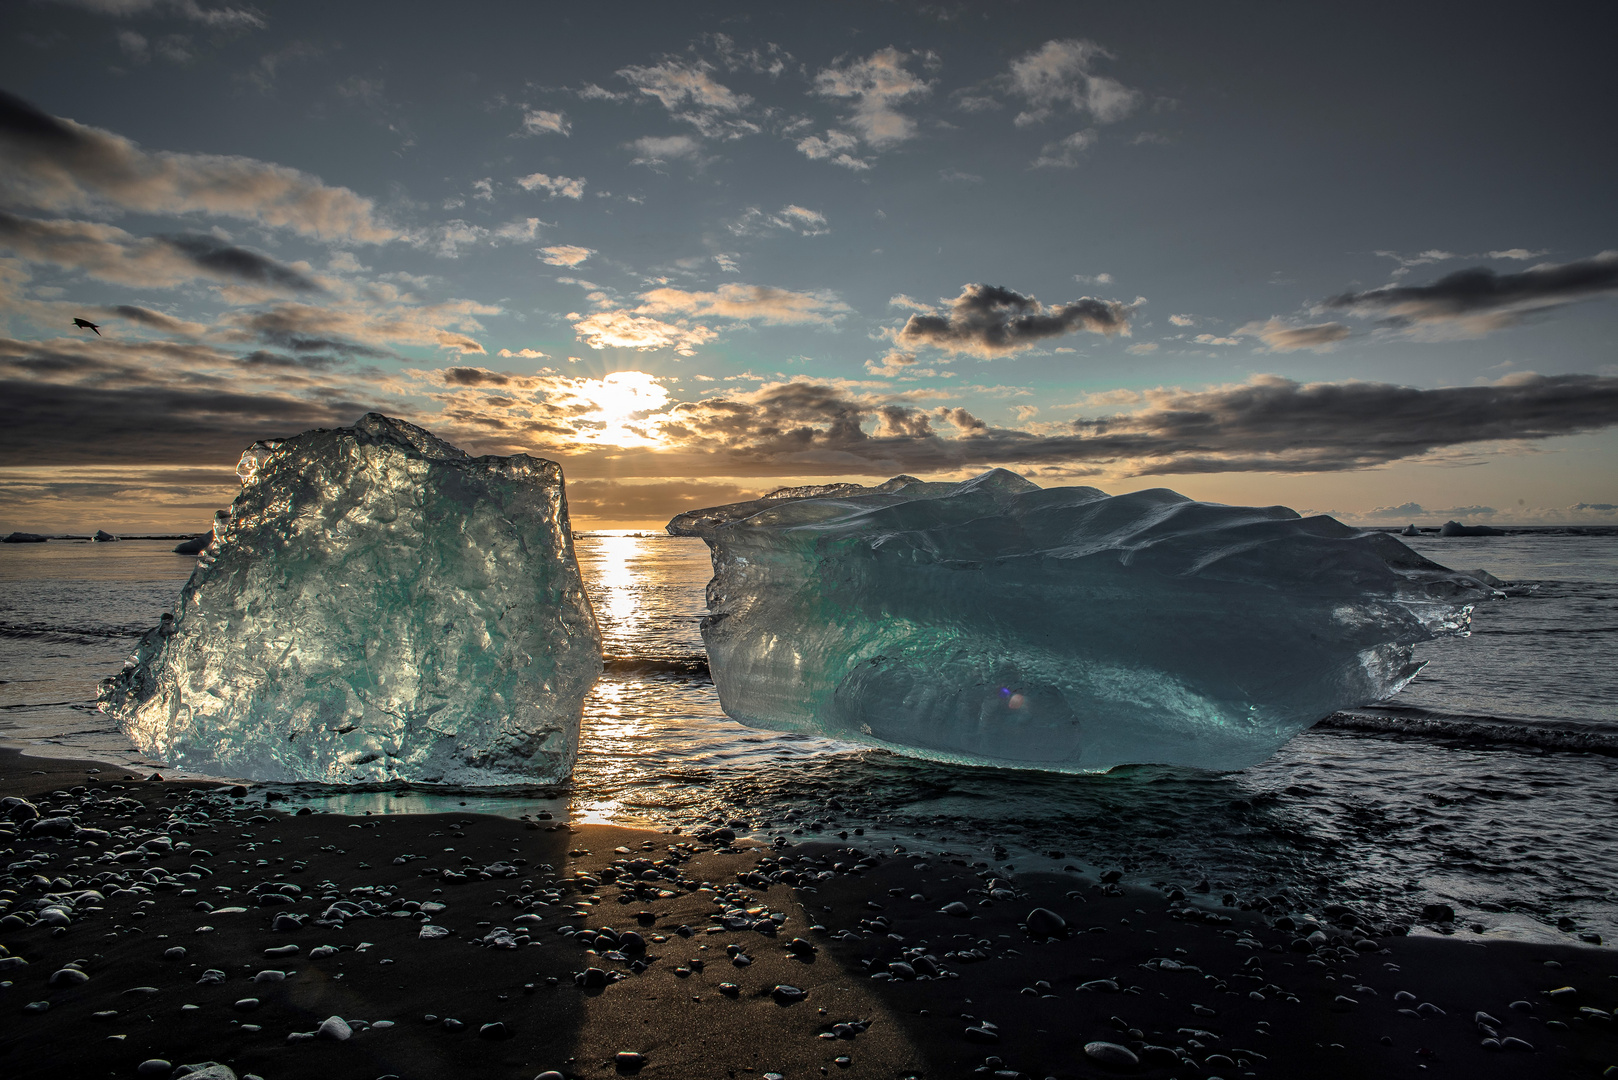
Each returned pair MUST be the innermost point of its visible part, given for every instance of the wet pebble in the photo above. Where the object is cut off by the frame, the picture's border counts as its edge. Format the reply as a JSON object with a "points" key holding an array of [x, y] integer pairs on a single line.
{"points": [[153, 1067], [1111, 1055], [245, 1004], [270, 977], [495, 1030], [68, 976], [957, 909]]}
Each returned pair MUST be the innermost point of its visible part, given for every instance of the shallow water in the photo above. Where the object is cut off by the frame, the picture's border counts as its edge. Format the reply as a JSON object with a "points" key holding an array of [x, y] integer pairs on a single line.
{"points": [[1489, 784]]}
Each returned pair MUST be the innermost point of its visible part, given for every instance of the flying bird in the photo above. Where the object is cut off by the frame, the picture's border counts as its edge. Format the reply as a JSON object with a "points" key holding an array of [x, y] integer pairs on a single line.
{"points": [[86, 324]]}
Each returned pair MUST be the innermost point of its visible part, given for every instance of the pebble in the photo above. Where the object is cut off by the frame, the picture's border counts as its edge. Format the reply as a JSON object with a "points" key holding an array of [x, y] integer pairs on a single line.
{"points": [[495, 1030], [1111, 1055], [784, 993], [68, 976], [1043, 922], [550, 1074], [153, 1067], [334, 1028], [628, 1059], [957, 909], [245, 1004], [270, 977]]}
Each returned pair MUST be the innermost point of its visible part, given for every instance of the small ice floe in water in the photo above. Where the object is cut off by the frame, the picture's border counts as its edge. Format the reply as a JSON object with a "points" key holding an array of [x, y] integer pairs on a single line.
{"points": [[995, 622], [376, 605]]}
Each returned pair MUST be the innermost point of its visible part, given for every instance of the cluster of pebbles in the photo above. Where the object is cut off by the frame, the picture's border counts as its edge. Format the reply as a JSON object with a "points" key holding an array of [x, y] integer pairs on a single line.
{"points": [[166, 929]]}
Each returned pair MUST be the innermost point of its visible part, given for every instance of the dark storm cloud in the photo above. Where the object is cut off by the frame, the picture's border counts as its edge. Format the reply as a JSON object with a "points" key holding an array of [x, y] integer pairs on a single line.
{"points": [[1267, 424], [228, 261], [56, 164], [990, 320], [468, 376], [1489, 298], [111, 254], [50, 424]]}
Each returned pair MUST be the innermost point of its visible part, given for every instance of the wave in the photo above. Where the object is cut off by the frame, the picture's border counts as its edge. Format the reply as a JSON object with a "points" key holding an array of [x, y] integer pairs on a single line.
{"points": [[1480, 731], [69, 634]]}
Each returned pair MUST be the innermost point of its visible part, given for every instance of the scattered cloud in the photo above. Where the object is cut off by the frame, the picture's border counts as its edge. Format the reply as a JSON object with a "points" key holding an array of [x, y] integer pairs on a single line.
{"points": [[1280, 336], [790, 218], [877, 86], [621, 330], [661, 149], [990, 320], [1142, 348], [543, 121], [565, 186], [1059, 76], [956, 176], [1094, 279], [760, 303], [59, 165], [688, 90], [566, 254], [525, 354], [218, 17], [1478, 300], [1065, 153], [1181, 320]]}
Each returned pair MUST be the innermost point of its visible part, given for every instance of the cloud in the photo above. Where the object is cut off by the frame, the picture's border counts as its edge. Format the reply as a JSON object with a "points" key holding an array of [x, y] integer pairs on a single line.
{"points": [[1181, 320], [691, 94], [621, 330], [219, 18], [1142, 348], [157, 320], [761, 303], [525, 354], [1478, 300], [1594, 506], [790, 218], [1065, 153], [1058, 74], [111, 254], [990, 320], [1521, 254], [1279, 336], [55, 164], [877, 85], [1095, 279], [1215, 339], [565, 186], [1403, 510], [895, 363], [1268, 424], [566, 254], [661, 149], [726, 261], [956, 176], [835, 147], [543, 121]]}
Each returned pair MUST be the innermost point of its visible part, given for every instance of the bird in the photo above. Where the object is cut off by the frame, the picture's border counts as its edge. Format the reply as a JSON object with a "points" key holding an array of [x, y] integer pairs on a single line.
{"points": [[86, 324]]}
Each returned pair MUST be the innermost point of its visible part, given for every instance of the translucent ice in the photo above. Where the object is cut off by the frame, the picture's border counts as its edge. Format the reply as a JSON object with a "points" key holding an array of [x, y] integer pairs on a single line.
{"points": [[376, 605], [995, 622]]}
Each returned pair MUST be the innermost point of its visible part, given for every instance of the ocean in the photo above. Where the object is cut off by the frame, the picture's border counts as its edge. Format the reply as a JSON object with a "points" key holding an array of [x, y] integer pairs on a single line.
{"points": [[1488, 785]]}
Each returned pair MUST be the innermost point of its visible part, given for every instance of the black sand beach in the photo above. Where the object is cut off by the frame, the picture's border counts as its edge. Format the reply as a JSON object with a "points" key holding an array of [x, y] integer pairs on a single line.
{"points": [[138, 931]]}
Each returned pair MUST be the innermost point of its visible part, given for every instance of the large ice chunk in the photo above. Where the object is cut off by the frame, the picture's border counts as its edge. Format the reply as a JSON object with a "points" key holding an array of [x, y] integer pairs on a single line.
{"points": [[994, 622], [376, 605]]}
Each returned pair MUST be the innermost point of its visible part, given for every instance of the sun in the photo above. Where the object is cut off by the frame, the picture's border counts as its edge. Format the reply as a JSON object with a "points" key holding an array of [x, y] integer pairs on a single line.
{"points": [[615, 401]]}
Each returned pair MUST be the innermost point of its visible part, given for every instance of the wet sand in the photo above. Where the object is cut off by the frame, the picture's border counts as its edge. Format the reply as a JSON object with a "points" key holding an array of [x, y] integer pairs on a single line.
{"points": [[896, 963]]}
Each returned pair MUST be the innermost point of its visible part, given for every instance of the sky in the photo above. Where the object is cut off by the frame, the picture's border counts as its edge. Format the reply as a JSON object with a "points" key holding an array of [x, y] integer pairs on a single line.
{"points": [[1354, 261]]}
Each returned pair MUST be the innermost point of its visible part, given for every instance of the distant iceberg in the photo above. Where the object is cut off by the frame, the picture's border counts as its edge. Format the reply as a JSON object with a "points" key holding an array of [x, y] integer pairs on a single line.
{"points": [[993, 622], [376, 605]]}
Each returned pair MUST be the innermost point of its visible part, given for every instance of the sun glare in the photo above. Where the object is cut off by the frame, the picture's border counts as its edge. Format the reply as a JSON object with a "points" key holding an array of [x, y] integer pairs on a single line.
{"points": [[615, 401]]}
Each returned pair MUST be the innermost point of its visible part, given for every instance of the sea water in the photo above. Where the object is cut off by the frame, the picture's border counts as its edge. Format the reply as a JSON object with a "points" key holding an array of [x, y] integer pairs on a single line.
{"points": [[1490, 784]]}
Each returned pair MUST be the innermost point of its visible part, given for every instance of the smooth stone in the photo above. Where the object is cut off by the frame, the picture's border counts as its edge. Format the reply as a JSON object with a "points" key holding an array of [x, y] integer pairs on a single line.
{"points": [[176, 953], [270, 976], [1511, 1042], [68, 976], [628, 1059], [283, 950], [154, 1067], [1043, 922], [334, 1028], [495, 1030], [1111, 1055], [36, 1007], [957, 909], [207, 1070], [245, 1004], [550, 1074]]}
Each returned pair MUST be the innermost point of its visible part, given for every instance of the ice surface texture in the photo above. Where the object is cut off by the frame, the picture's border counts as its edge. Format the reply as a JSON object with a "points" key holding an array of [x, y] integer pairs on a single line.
{"points": [[994, 622], [376, 605]]}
